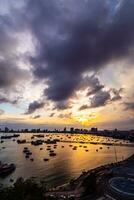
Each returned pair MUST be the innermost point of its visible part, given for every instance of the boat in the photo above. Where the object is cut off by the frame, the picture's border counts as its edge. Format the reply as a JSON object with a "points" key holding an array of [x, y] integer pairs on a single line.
{"points": [[6, 169], [51, 151], [37, 142], [50, 141], [46, 159], [52, 154], [25, 150], [84, 146], [21, 141], [9, 136], [29, 153], [26, 156]]}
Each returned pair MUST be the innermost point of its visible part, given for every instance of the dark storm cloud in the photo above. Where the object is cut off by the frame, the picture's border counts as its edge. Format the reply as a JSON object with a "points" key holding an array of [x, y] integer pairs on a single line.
{"points": [[76, 36], [7, 40], [93, 84], [99, 95], [103, 97], [100, 99], [34, 106], [10, 75], [71, 37], [10, 78]]}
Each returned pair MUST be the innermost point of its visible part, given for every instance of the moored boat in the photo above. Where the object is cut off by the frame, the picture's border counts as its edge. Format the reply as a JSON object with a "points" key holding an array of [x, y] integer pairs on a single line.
{"points": [[6, 169]]}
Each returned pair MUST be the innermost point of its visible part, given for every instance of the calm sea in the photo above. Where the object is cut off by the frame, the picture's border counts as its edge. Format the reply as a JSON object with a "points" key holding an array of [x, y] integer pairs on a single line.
{"points": [[67, 163]]}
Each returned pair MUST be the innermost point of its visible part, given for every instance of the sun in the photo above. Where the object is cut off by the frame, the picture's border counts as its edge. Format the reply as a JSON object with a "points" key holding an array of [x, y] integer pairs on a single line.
{"points": [[85, 119]]}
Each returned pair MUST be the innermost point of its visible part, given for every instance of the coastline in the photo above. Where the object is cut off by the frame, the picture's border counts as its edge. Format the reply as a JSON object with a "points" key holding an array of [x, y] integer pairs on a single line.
{"points": [[75, 188]]}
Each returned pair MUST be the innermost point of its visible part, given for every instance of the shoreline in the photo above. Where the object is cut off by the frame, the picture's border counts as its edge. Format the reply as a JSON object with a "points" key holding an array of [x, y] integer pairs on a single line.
{"points": [[66, 190]]}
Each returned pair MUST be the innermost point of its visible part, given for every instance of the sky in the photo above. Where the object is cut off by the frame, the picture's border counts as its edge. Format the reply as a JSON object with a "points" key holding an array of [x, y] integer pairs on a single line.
{"points": [[67, 63]]}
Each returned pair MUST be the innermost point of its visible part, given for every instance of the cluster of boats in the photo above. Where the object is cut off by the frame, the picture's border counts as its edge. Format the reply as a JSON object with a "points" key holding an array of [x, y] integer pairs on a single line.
{"points": [[40, 142], [37, 142], [27, 153], [21, 141], [9, 136], [51, 142], [6, 169]]}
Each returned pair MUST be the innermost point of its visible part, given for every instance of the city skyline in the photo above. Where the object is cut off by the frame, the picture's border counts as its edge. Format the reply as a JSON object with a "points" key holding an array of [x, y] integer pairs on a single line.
{"points": [[67, 63]]}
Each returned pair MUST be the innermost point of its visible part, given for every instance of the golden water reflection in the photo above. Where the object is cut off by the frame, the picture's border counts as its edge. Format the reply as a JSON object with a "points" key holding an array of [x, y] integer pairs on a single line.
{"points": [[68, 163]]}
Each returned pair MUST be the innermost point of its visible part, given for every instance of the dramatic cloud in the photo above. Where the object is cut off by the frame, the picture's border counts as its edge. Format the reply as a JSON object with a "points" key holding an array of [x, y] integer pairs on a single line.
{"points": [[10, 75], [34, 106], [11, 78], [100, 96], [76, 36], [100, 99], [93, 84]]}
